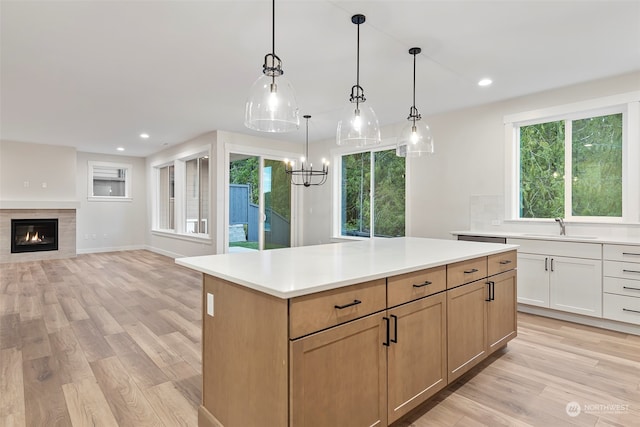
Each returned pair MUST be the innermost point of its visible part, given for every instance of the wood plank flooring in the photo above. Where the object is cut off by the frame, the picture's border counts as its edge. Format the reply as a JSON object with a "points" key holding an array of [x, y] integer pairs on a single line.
{"points": [[113, 339]]}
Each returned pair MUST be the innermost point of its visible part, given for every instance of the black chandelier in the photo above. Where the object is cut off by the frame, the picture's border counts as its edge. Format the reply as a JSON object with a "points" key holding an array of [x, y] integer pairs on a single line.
{"points": [[306, 175]]}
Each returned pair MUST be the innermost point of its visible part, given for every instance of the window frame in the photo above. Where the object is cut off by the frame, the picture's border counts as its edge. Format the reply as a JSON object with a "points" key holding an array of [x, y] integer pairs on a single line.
{"points": [[628, 104], [92, 165], [336, 156], [180, 188]]}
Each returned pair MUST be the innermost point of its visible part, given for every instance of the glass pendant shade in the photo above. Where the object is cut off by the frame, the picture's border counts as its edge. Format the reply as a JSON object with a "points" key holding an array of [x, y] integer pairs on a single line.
{"points": [[272, 107], [358, 126], [415, 139]]}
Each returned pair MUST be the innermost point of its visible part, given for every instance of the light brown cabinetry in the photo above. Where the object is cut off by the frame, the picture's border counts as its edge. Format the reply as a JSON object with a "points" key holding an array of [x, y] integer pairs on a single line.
{"points": [[417, 359], [361, 355], [339, 376]]}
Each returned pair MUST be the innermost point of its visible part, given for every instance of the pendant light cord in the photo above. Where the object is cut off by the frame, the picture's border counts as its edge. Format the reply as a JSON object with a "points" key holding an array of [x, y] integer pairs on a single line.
{"points": [[307, 153], [414, 80], [273, 27]]}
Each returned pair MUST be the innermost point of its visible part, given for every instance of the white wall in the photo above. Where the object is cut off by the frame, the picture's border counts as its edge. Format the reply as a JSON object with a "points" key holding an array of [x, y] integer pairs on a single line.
{"points": [[111, 225], [37, 172], [468, 165]]}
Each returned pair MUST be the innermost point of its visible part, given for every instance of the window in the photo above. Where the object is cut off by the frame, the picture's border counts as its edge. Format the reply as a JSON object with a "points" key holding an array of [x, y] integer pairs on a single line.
{"points": [[378, 213], [576, 163], [166, 197], [109, 181], [197, 195]]}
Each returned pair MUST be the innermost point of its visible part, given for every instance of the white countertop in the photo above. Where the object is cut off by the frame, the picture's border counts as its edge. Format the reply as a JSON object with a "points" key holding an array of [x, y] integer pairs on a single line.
{"points": [[291, 272], [554, 237]]}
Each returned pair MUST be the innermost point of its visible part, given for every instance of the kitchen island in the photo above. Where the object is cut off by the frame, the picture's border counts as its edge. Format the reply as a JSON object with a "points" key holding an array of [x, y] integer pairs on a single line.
{"points": [[348, 334]]}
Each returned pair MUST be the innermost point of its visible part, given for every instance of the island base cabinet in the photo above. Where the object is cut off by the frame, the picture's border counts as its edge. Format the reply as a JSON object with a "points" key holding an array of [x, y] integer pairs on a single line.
{"points": [[466, 327], [502, 321], [339, 376], [417, 356]]}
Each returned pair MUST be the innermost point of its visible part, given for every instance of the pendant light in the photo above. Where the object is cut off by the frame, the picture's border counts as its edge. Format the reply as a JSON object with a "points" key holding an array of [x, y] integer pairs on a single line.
{"points": [[358, 125], [306, 175], [271, 105], [415, 138]]}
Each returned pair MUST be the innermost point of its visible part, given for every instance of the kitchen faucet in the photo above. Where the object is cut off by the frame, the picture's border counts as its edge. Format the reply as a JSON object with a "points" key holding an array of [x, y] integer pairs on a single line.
{"points": [[560, 221]]}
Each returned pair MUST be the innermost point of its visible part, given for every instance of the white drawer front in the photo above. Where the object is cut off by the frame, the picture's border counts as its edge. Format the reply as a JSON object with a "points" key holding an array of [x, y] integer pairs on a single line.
{"points": [[624, 270], [626, 253], [621, 308], [615, 285]]}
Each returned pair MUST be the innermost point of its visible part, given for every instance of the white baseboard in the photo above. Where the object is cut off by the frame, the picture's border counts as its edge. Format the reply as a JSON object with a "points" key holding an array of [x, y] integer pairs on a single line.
{"points": [[109, 249], [613, 325]]}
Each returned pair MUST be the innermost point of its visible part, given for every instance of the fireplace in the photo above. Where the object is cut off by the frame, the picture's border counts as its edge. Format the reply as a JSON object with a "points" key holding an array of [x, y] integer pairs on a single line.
{"points": [[34, 235]]}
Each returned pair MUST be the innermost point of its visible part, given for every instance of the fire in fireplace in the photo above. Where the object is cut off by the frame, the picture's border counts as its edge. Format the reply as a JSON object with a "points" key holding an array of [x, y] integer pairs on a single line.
{"points": [[33, 235]]}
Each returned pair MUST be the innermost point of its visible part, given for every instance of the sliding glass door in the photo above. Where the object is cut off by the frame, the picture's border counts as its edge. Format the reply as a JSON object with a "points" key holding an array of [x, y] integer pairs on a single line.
{"points": [[260, 200]]}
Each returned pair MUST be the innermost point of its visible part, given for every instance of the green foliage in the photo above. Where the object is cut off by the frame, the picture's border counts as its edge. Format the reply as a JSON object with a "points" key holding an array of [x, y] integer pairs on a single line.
{"points": [[596, 174], [388, 196], [246, 171]]}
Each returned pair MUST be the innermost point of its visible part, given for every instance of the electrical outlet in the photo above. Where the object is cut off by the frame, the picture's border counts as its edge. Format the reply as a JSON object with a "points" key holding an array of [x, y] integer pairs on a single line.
{"points": [[495, 222], [44, 185], [210, 304], [26, 184]]}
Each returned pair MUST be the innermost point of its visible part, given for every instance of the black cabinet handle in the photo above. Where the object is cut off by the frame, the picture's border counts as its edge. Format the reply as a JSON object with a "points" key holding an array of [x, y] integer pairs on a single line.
{"points": [[491, 291], [351, 304], [426, 283], [386, 342], [546, 267], [395, 328], [630, 253], [473, 270], [488, 292], [629, 287], [551, 264], [631, 271], [633, 311], [505, 262]]}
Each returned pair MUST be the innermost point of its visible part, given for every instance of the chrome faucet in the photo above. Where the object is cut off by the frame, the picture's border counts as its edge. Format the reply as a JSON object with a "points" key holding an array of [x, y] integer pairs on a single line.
{"points": [[563, 231]]}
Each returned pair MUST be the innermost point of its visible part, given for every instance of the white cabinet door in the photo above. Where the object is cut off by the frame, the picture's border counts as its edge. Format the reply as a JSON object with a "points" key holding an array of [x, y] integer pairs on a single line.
{"points": [[533, 279], [576, 285]]}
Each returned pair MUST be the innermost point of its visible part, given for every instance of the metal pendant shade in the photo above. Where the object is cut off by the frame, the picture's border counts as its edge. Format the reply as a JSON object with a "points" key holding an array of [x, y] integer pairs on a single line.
{"points": [[415, 137], [271, 105], [306, 175], [358, 125]]}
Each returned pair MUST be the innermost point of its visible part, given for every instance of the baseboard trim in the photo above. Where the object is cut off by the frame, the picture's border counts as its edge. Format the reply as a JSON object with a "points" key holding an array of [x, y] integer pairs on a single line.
{"points": [[110, 249], [613, 325]]}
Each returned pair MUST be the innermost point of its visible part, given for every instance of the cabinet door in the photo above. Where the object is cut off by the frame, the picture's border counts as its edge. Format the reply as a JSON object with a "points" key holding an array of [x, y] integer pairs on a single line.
{"points": [[576, 285], [501, 310], [533, 279], [418, 357], [339, 376], [466, 327]]}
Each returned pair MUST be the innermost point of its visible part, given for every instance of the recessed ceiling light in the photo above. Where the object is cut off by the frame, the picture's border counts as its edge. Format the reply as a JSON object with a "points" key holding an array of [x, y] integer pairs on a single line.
{"points": [[144, 135], [120, 148], [485, 82]]}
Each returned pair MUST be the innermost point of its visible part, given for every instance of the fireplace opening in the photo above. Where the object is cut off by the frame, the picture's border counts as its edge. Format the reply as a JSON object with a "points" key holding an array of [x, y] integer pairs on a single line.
{"points": [[34, 235]]}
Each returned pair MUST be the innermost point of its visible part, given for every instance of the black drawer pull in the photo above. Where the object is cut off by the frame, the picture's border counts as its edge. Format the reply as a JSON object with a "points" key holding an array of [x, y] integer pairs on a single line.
{"points": [[386, 340], [351, 304], [631, 271], [630, 253], [629, 287], [505, 262], [473, 270], [426, 283], [395, 328], [633, 311]]}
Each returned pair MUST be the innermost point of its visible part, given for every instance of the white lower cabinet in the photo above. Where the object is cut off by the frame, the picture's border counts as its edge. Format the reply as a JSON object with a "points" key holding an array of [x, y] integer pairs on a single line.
{"points": [[621, 283], [549, 276]]}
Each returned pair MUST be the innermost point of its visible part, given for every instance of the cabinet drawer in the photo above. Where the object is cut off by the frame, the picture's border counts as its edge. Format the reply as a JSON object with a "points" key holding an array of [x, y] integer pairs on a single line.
{"points": [[615, 285], [411, 286], [621, 308], [466, 271], [502, 262], [624, 270], [627, 253], [311, 313]]}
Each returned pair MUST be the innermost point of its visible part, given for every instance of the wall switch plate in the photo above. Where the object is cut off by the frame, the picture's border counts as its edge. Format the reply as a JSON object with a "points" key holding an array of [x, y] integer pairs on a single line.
{"points": [[210, 304], [495, 222]]}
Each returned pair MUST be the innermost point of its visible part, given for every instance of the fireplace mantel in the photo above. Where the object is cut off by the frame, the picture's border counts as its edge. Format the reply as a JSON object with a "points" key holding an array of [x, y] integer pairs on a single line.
{"points": [[39, 204]]}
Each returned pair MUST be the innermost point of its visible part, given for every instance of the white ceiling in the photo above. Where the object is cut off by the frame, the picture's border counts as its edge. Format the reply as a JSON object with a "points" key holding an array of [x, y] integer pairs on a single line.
{"points": [[95, 74]]}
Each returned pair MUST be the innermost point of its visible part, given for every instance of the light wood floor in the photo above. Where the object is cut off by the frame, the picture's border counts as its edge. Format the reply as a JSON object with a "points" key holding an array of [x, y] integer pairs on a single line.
{"points": [[114, 339]]}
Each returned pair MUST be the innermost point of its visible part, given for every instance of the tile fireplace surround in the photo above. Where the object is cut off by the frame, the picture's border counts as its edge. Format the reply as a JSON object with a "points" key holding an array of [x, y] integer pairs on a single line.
{"points": [[66, 234]]}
